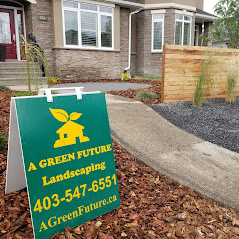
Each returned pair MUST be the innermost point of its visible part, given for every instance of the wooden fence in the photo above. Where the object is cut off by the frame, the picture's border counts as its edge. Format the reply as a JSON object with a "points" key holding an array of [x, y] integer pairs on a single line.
{"points": [[182, 66]]}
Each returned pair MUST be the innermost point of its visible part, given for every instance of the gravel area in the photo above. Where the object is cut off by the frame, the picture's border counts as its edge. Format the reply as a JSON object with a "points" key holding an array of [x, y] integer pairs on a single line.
{"points": [[104, 86], [216, 121]]}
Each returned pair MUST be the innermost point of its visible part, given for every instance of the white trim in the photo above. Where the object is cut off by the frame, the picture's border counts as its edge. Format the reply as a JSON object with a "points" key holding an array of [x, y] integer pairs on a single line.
{"points": [[158, 11], [152, 34], [205, 16], [184, 12], [169, 5], [183, 21], [32, 1], [99, 14], [91, 2]]}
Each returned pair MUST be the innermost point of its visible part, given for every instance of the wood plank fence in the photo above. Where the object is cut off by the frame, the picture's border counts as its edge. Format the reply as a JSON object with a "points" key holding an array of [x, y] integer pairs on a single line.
{"points": [[182, 66]]}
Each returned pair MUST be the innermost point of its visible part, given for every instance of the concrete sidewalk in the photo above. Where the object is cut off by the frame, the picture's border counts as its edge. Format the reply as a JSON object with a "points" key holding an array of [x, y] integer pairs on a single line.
{"points": [[211, 170]]}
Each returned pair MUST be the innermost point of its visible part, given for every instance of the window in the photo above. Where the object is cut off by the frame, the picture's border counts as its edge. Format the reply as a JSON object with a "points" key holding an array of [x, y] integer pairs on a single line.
{"points": [[183, 30], [88, 25], [157, 31]]}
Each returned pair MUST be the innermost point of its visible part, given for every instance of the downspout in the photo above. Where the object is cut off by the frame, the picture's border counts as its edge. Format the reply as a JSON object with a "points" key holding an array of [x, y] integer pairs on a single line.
{"points": [[129, 56]]}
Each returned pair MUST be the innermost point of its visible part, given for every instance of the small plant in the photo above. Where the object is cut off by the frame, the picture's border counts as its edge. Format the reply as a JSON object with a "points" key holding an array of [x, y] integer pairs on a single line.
{"points": [[32, 53], [3, 142], [3, 87], [145, 95], [52, 79], [203, 84], [20, 94], [124, 76], [231, 86]]}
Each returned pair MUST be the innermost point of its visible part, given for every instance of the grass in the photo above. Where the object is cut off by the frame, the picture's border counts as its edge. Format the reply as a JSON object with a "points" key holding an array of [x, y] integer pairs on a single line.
{"points": [[145, 95], [20, 94], [3, 87], [148, 78], [231, 86], [203, 83]]}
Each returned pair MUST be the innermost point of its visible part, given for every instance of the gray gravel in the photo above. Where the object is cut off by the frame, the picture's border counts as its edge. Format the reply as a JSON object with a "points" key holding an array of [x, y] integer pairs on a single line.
{"points": [[216, 121], [104, 86]]}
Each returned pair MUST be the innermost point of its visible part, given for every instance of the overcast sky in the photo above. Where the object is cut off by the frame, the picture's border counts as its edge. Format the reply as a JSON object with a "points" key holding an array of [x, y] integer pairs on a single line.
{"points": [[209, 4]]}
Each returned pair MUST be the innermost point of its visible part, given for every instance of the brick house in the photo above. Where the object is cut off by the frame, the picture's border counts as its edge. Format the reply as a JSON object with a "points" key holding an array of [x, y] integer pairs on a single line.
{"points": [[88, 39]]}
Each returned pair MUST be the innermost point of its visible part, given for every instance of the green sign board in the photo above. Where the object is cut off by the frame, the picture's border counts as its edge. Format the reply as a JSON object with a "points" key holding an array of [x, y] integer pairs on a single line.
{"points": [[68, 160]]}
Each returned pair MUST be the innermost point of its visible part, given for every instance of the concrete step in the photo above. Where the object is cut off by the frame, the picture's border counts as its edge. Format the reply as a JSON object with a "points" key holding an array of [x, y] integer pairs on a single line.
{"points": [[21, 81], [16, 73]]}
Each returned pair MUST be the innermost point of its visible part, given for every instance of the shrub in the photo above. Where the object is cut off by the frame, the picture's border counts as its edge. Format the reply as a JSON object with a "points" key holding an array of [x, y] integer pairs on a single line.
{"points": [[203, 83], [145, 95], [20, 94], [124, 76], [3, 142], [52, 79], [3, 87]]}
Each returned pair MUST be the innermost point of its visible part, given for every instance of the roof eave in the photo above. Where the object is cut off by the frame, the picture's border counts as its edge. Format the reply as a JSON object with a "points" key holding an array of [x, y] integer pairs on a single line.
{"points": [[125, 3], [205, 17]]}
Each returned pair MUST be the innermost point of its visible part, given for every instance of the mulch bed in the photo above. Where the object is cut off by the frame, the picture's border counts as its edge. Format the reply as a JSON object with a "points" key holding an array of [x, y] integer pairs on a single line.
{"points": [[152, 205], [156, 88]]}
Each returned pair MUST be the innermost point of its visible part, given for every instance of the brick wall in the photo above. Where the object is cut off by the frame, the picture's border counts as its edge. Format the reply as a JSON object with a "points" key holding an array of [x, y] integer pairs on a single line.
{"points": [[43, 31], [147, 63]]}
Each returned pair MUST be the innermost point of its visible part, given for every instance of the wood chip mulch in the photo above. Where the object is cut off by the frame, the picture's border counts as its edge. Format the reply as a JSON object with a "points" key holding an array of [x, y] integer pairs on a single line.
{"points": [[156, 88], [152, 205]]}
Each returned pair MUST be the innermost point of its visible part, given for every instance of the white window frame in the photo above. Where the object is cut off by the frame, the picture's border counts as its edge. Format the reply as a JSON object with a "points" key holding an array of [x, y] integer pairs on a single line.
{"points": [[152, 29], [99, 14], [183, 21]]}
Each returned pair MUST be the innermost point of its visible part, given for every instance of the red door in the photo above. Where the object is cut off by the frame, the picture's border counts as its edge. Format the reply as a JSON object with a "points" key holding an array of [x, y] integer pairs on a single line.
{"points": [[7, 33]]}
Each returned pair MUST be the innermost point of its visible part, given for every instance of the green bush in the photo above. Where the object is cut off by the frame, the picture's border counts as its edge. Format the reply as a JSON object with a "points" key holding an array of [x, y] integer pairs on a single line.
{"points": [[3, 142], [3, 87], [20, 94], [145, 95]]}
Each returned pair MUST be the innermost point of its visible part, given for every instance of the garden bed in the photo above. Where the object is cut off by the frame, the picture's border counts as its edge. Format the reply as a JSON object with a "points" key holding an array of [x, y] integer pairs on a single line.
{"points": [[152, 205], [216, 121], [155, 88]]}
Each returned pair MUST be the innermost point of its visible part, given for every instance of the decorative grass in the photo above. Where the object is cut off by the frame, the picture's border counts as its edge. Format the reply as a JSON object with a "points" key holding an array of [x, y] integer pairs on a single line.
{"points": [[203, 83], [231, 86], [145, 95], [3, 87]]}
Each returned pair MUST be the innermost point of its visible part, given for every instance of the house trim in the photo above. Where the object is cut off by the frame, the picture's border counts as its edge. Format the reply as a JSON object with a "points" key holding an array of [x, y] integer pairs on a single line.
{"points": [[205, 16], [119, 2], [184, 13], [169, 5]]}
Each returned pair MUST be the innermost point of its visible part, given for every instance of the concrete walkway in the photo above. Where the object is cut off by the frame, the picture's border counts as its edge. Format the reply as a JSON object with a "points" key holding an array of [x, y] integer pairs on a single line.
{"points": [[209, 169]]}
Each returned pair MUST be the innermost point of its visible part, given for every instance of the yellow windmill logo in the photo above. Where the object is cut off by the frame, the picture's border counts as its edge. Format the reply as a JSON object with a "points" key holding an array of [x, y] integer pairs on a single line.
{"points": [[70, 131]]}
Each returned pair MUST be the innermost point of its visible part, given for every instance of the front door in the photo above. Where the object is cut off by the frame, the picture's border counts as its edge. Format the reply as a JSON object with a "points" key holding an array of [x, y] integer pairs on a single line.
{"points": [[7, 33]]}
